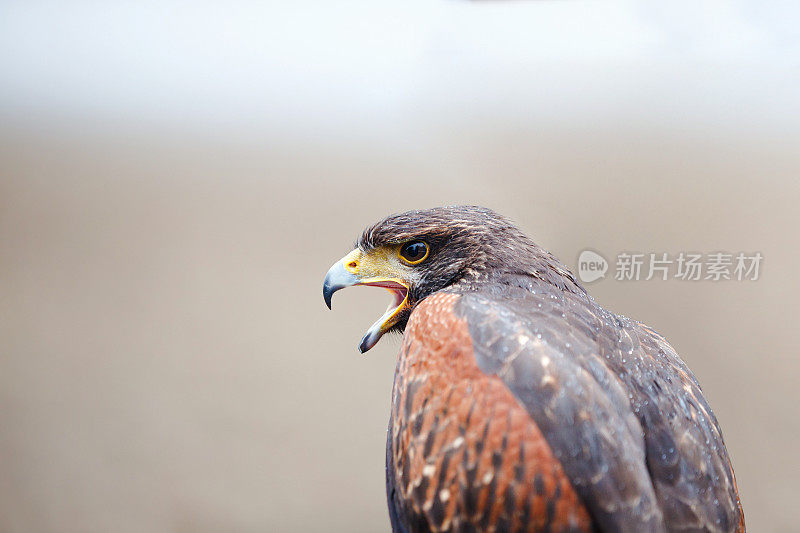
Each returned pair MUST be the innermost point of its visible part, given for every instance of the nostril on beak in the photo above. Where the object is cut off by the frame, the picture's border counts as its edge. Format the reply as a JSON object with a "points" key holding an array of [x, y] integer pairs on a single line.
{"points": [[352, 264], [338, 277]]}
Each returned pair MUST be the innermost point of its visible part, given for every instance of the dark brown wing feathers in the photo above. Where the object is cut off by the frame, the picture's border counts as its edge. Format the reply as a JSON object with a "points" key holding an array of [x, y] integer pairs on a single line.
{"points": [[621, 411], [533, 409]]}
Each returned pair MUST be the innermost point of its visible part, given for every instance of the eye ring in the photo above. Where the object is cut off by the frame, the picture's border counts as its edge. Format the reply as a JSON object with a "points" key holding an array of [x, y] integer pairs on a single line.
{"points": [[414, 252]]}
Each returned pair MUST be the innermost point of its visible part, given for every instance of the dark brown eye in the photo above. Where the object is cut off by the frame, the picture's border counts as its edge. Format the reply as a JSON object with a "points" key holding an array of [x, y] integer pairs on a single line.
{"points": [[414, 252]]}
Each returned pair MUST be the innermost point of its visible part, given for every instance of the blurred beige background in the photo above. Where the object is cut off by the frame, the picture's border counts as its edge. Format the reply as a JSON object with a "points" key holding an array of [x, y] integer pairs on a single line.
{"points": [[175, 180]]}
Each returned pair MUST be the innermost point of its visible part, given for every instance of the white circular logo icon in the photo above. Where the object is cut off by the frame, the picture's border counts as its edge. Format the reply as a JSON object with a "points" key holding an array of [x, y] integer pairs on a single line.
{"points": [[591, 266]]}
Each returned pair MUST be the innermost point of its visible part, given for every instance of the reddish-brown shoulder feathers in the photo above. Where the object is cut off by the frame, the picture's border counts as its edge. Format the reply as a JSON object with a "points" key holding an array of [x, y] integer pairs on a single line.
{"points": [[464, 454]]}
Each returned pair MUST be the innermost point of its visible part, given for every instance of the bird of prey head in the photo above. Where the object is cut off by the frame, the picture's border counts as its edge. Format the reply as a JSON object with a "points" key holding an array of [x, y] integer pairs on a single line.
{"points": [[418, 253]]}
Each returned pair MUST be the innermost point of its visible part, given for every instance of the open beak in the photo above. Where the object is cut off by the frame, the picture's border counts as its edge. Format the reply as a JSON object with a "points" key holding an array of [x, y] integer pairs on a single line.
{"points": [[348, 272]]}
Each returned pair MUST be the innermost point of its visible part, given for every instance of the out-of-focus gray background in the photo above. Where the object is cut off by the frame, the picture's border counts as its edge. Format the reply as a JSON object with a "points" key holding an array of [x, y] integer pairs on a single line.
{"points": [[176, 178]]}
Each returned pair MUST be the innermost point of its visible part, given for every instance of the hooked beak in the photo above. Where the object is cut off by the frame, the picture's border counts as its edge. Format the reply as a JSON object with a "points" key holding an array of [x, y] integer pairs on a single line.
{"points": [[336, 279], [346, 273]]}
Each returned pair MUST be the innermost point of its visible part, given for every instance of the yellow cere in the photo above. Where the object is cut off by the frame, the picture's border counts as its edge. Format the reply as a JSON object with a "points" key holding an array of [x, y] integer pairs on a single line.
{"points": [[382, 262]]}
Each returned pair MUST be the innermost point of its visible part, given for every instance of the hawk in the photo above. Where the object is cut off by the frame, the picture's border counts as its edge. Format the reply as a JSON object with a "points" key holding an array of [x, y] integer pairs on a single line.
{"points": [[519, 403]]}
